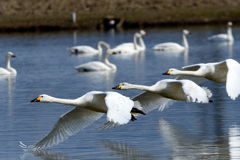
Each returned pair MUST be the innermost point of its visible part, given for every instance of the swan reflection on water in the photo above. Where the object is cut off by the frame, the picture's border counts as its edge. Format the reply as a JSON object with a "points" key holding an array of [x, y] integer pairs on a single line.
{"points": [[191, 146]]}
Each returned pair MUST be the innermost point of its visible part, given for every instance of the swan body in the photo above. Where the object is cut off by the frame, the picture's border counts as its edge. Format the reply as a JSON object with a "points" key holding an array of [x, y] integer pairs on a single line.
{"points": [[223, 37], [227, 71], [8, 70], [128, 48], [87, 49], [89, 108], [182, 90], [171, 46], [98, 66]]}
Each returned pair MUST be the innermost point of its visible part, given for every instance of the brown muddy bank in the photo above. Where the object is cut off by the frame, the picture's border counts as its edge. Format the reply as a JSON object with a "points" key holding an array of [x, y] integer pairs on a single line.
{"points": [[43, 15]]}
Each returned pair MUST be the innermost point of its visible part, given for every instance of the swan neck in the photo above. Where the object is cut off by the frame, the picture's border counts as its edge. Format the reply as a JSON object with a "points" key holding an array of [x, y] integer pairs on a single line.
{"points": [[71, 102], [191, 73], [140, 87], [229, 32], [141, 42], [135, 41], [108, 63], [185, 42], [8, 66]]}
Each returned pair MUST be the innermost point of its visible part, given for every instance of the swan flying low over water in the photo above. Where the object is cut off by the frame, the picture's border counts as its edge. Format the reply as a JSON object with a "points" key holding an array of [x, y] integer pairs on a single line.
{"points": [[223, 37], [89, 108], [98, 66], [182, 90], [9, 70], [225, 71], [87, 49], [171, 46]]}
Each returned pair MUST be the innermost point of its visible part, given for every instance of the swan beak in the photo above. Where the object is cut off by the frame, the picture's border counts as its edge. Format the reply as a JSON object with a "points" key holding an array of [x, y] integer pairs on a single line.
{"points": [[12, 55], [167, 73], [117, 87], [36, 99], [114, 52]]}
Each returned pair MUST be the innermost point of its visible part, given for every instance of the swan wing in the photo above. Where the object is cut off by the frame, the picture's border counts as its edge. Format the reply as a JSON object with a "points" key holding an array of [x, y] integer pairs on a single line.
{"points": [[150, 101], [92, 66], [233, 77], [193, 92], [168, 46], [119, 108], [83, 49], [4, 71], [68, 125]]}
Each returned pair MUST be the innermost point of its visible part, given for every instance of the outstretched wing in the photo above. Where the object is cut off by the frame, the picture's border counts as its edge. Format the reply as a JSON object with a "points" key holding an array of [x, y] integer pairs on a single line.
{"points": [[233, 78], [150, 101], [68, 125], [119, 108]]}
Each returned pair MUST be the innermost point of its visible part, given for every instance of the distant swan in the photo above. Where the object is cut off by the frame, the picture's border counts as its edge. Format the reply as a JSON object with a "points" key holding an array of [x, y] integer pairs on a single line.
{"points": [[225, 71], [223, 37], [171, 46], [182, 90], [9, 70], [89, 108], [128, 48], [98, 66], [87, 49]]}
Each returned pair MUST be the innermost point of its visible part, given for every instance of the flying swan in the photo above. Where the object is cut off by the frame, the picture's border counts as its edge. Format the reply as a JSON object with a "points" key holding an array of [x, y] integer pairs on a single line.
{"points": [[9, 70], [128, 48], [87, 49], [223, 37], [225, 71], [182, 90], [171, 46], [89, 108], [98, 66]]}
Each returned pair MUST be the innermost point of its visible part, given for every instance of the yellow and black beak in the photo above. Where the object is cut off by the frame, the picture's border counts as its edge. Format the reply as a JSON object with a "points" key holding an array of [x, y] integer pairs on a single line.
{"points": [[167, 73], [12, 55], [36, 99], [118, 87], [114, 52]]}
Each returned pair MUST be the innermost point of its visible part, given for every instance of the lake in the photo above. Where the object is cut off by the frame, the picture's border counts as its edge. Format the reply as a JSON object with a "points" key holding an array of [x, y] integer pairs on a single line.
{"points": [[182, 131]]}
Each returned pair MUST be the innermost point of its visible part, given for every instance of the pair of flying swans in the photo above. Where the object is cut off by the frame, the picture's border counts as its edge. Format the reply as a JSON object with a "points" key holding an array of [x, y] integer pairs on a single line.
{"points": [[227, 71], [8, 70]]}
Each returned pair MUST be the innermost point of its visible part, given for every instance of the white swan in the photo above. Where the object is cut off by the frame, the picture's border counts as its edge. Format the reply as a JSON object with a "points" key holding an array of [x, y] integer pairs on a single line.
{"points": [[89, 108], [128, 48], [171, 46], [9, 70], [225, 71], [182, 90], [88, 49], [223, 37], [98, 66]]}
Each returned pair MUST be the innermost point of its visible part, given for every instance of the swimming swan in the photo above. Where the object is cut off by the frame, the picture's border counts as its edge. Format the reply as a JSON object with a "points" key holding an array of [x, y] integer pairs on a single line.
{"points": [[88, 49], [9, 70], [128, 48], [225, 71], [223, 37], [182, 90], [89, 108], [98, 66], [171, 46]]}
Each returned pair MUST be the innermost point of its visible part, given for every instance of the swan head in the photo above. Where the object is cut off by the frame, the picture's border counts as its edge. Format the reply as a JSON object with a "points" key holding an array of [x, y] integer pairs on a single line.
{"points": [[42, 98], [10, 54], [122, 86], [142, 32], [230, 24], [186, 32], [171, 71]]}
